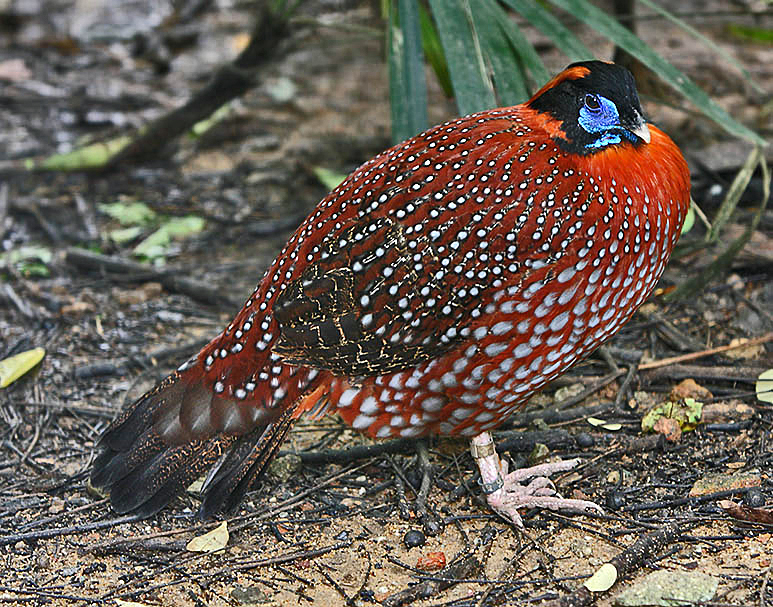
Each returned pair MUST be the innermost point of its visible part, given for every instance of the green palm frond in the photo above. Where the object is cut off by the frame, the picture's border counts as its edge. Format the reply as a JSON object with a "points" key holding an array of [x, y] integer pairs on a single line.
{"points": [[490, 62]]}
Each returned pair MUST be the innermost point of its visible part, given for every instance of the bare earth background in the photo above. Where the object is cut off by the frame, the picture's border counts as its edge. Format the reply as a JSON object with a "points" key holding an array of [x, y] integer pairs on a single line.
{"points": [[78, 73]]}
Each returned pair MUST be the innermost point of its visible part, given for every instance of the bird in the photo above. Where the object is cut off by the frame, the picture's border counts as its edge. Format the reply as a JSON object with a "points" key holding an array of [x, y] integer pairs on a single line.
{"points": [[433, 292]]}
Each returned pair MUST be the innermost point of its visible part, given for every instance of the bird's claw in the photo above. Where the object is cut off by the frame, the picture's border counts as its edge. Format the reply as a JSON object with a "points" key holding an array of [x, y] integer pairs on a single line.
{"points": [[508, 493]]}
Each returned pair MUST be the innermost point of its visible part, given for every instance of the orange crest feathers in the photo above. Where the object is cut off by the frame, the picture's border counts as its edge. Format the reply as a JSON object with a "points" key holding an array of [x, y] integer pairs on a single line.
{"points": [[573, 73]]}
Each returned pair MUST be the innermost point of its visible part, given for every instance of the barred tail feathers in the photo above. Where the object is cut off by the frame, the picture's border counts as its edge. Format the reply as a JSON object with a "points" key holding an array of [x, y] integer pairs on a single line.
{"points": [[177, 431]]}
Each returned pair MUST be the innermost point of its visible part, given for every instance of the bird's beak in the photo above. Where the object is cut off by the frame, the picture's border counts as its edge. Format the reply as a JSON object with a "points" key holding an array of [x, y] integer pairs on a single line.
{"points": [[640, 129], [643, 132]]}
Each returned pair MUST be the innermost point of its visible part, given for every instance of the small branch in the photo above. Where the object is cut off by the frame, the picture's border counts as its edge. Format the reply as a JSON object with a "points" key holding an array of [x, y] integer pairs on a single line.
{"points": [[627, 562], [229, 82], [341, 456], [703, 353], [198, 291], [461, 569], [48, 533], [556, 416], [697, 372]]}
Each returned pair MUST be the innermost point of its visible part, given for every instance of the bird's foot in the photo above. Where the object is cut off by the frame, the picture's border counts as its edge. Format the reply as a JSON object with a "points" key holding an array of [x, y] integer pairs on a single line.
{"points": [[420, 511], [505, 492], [430, 521]]}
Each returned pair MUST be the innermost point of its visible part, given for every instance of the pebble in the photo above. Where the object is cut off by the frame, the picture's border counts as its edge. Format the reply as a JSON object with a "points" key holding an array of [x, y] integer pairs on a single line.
{"points": [[615, 500], [584, 440], [414, 538], [754, 498]]}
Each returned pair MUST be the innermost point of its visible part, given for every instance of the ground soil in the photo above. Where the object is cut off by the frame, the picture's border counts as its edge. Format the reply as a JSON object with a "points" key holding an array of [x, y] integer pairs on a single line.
{"points": [[333, 533]]}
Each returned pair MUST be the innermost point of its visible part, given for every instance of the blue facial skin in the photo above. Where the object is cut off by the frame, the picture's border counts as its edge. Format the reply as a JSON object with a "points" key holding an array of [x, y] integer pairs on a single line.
{"points": [[599, 115]]}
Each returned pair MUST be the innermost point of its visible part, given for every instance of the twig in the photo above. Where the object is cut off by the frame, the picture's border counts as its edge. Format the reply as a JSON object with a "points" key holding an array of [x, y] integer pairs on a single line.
{"points": [[242, 521], [678, 340], [555, 440], [48, 533], [556, 415], [17, 301], [451, 575], [697, 372], [198, 291], [347, 599], [229, 82], [510, 440], [764, 587], [628, 561], [626, 385], [703, 353], [232, 568], [103, 412], [341, 456]]}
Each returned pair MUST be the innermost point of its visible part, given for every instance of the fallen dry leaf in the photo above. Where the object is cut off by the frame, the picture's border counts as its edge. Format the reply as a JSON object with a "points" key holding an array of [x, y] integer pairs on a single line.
{"points": [[668, 427], [77, 308], [14, 367], [747, 513], [603, 579], [688, 388], [744, 352], [714, 483], [212, 541]]}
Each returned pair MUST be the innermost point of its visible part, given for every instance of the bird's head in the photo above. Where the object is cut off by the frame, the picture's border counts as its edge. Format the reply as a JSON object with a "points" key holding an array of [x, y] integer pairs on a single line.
{"points": [[592, 105]]}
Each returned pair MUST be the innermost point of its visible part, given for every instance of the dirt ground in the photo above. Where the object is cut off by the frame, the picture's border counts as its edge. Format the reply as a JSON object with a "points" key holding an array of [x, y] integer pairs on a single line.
{"points": [[335, 533]]}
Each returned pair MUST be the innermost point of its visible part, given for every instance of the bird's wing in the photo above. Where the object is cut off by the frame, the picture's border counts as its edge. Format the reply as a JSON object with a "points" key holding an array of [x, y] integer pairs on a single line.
{"points": [[406, 283], [370, 306]]}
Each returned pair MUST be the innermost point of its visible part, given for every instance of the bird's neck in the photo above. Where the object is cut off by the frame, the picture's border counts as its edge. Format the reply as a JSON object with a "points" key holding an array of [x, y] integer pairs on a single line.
{"points": [[657, 168]]}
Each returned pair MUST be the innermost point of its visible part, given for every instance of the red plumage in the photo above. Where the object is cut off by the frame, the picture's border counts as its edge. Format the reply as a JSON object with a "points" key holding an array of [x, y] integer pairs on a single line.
{"points": [[435, 290]]}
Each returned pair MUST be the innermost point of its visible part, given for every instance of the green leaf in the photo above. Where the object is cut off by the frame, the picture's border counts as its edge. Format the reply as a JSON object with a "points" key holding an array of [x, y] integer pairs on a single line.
{"points": [[627, 40], [124, 235], [562, 37], [14, 367], [155, 246], [472, 85], [407, 85], [706, 42], [330, 179], [506, 67], [25, 254], [93, 156], [689, 220], [129, 213], [687, 414], [734, 193], [433, 50], [202, 126], [763, 35], [34, 268], [524, 49]]}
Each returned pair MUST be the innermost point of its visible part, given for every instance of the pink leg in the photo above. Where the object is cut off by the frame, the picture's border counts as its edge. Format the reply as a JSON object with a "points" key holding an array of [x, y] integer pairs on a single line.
{"points": [[505, 493]]}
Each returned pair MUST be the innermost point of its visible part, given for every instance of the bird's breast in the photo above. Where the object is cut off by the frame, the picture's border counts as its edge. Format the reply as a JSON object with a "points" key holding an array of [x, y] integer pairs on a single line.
{"points": [[578, 249]]}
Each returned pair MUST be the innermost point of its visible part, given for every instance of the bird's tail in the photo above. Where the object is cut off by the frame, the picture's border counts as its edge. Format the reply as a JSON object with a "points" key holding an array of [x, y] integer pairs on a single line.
{"points": [[177, 431]]}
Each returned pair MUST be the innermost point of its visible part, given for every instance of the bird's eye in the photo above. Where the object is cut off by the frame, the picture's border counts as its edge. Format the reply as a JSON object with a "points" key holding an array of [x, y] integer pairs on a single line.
{"points": [[592, 103]]}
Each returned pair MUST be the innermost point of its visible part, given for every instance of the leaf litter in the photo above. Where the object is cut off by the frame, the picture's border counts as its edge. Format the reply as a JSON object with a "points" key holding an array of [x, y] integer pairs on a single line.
{"points": [[332, 530]]}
